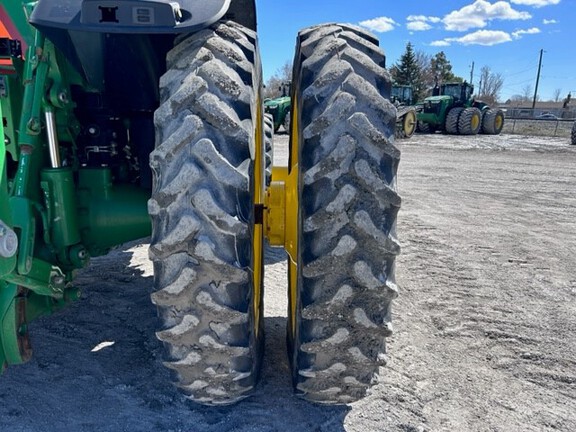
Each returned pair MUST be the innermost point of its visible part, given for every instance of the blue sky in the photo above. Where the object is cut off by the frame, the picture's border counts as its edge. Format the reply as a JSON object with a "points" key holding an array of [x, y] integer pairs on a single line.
{"points": [[504, 35]]}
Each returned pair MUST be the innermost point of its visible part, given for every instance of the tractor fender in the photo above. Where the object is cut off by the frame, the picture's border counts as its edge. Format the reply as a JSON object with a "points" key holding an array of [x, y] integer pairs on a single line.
{"points": [[129, 16]]}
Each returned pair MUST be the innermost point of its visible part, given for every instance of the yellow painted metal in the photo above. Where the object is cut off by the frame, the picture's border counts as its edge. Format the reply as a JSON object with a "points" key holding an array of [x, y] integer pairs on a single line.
{"points": [[475, 121], [498, 122], [282, 213], [409, 123], [257, 242], [293, 211], [275, 215]]}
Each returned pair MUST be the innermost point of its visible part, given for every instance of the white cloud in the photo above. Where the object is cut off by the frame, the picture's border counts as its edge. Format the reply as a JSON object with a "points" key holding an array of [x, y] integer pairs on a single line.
{"points": [[518, 34], [418, 26], [480, 37], [421, 22], [379, 25], [431, 19], [440, 43], [480, 12], [536, 3], [551, 21]]}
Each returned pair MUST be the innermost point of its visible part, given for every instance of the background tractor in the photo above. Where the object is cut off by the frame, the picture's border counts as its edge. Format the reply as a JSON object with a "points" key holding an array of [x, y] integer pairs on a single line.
{"points": [[126, 118], [279, 108], [453, 110], [403, 98]]}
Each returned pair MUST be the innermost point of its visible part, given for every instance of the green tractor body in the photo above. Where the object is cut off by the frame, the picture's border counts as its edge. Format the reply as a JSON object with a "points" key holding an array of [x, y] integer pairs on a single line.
{"points": [[279, 108], [123, 119], [452, 109]]}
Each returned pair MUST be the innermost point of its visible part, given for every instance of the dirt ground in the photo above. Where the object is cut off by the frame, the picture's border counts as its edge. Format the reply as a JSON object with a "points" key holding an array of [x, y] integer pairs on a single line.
{"points": [[485, 325]]}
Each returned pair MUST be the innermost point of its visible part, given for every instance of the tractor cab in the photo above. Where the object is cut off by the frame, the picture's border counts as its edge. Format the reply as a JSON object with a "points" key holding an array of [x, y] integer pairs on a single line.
{"points": [[460, 92], [402, 95]]}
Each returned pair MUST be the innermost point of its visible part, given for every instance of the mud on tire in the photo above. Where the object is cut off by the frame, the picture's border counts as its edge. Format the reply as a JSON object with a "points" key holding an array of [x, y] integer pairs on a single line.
{"points": [[202, 215], [348, 206]]}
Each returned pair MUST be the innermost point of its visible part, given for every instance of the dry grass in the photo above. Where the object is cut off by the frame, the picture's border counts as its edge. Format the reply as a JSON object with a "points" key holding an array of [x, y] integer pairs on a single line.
{"points": [[560, 128]]}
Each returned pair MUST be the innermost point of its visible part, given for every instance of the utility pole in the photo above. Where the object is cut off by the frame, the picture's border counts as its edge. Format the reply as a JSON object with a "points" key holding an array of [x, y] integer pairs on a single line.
{"points": [[472, 74], [537, 79]]}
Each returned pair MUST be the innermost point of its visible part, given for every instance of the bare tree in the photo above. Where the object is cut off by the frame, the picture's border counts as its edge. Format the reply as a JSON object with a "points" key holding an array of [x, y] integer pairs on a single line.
{"points": [[423, 61], [557, 93], [527, 93], [490, 85], [273, 87]]}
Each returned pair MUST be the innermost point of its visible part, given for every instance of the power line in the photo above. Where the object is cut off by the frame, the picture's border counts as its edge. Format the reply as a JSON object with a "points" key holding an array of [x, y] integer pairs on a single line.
{"points": [[521, 72], [521, 82]]}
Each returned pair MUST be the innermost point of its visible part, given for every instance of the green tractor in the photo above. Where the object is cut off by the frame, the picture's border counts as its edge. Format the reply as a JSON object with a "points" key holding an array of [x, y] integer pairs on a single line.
{"points": [[123, 119], [279, 108], [453, 110], [403, 97]]}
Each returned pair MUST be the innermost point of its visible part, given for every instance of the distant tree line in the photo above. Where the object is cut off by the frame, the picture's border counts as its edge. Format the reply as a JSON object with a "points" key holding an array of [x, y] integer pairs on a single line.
{"points": [[273, 87], [416, 68]]}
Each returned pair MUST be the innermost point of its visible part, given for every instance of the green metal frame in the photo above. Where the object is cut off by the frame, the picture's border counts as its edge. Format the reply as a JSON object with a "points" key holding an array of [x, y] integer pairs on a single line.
{"points": [[60, 215]]}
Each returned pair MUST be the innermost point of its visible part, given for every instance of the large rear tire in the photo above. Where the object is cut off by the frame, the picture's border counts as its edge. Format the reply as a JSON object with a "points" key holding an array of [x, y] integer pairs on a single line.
{"points": [[206, 246], [470, 121], [269, 146], [422, 127], [451, 125], [493, 122], [344, 269]]}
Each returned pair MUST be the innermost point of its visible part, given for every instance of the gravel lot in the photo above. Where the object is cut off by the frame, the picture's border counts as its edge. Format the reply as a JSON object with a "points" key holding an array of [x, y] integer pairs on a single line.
{"points": [[485, 325]]}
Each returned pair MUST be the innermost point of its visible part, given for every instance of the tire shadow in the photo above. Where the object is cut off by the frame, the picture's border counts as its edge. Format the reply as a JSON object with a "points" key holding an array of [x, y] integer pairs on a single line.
{"points": [[97, 365], [273, 406], [273, 255]]}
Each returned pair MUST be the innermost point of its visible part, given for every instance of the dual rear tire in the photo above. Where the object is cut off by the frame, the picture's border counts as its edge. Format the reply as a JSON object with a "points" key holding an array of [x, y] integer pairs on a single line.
{"points": [[344, 277], [209, 170], [206, 244], [492, 122], [471, 121]]}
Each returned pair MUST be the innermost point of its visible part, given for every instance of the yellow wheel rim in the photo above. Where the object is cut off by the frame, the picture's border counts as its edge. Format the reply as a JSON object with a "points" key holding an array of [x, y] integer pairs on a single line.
{"points": [[498, 122], [293, 215], [257, 242], [475, 121], [409, 124]]}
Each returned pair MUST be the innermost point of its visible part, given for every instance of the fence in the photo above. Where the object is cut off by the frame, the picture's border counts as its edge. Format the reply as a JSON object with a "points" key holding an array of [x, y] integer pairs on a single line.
{"points": [[539, 127]]}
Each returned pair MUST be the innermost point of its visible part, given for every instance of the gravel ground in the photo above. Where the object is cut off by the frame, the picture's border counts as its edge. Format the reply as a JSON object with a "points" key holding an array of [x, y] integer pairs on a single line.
{"points": [[485, 325]]}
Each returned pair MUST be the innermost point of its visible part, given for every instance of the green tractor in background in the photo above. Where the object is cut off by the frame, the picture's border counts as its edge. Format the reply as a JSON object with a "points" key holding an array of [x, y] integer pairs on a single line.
{"points": [[403, 98], [453, 110], [279, 108], [123, 119]]}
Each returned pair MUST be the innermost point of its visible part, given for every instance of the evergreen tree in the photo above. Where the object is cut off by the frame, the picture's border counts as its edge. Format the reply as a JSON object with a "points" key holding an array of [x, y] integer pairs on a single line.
{"points": [[423, 71], [408, 72], [442, 69]]}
